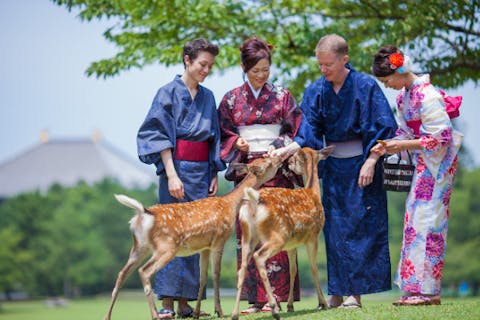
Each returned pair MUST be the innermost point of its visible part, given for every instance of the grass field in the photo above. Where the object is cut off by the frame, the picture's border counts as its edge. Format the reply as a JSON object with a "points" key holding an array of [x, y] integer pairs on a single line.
{"points": [[134, 307]]}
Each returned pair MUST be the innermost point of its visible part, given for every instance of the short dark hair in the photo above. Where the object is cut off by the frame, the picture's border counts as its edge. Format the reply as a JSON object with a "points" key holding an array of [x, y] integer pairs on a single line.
{"points": [[381, 66], [192, 48], [253, 50]]}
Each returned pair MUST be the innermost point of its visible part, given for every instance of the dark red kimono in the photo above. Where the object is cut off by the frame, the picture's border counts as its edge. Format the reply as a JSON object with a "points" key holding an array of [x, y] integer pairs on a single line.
{"points": [[274, 105]]}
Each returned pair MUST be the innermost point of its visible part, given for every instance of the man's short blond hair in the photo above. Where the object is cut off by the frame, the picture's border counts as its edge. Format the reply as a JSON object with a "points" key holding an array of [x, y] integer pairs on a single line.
{"points": [[332, 43]]}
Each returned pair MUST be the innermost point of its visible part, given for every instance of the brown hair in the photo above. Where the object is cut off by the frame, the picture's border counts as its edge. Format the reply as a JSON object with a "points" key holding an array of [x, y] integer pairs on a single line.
{"points": [[381, 61], [192, 48], [254, 50]]}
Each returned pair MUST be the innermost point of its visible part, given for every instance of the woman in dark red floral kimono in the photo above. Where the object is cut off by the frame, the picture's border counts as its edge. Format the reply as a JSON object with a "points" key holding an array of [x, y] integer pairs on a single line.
{"points": [[255, 118]]}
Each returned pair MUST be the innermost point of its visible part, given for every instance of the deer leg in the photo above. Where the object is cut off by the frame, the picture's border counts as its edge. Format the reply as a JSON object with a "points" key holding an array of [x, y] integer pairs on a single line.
{"points": [[312, 258], [247, 252], [134, 260], [155, 263], [266, 251], [217, 264], [204, 257], [292, 262]]}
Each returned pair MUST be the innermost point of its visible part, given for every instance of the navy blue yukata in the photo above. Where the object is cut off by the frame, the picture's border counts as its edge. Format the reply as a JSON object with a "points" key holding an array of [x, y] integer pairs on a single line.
{"points": [[174, 116], [356, 226]]}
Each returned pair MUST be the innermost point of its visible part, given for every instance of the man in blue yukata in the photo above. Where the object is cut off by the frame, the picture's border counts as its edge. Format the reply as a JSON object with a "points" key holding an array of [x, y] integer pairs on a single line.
{"points": [[347, 109]]}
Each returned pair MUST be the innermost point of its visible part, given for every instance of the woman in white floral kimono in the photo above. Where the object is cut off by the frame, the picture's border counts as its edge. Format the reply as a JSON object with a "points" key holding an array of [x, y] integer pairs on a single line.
{"points": [[426, 130]]}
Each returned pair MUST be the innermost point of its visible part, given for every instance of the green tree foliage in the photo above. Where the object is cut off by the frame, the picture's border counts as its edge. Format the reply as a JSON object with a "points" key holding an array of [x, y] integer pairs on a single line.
{"points": [[69, 241], [442, 37], [73, 241]]}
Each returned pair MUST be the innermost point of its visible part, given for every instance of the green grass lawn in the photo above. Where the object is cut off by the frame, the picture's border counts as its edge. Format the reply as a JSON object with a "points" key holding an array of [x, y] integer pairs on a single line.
{"points": [[134, 307]]}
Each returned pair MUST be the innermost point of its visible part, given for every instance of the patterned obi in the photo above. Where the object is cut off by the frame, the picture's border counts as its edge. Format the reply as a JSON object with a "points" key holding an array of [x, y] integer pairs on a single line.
{"points": [[191, 150], [259, 136]]}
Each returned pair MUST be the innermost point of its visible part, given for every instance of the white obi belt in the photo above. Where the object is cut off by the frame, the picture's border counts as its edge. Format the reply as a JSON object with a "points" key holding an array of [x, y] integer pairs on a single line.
{"points": [[259, 136]]}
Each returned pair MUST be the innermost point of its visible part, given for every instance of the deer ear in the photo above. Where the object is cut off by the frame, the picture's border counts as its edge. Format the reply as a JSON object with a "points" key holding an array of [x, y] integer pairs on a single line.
{"points": [[301, 155], [325, 152]]}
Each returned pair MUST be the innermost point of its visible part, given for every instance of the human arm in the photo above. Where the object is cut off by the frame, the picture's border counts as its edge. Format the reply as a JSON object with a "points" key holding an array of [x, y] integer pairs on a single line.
{"points": [[213, 189], [231, 142], [158, 130], [175, 185]]}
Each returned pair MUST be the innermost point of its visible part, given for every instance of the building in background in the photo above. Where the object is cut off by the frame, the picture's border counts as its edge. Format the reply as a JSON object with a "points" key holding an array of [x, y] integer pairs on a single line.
{"points": [[69, 161]]}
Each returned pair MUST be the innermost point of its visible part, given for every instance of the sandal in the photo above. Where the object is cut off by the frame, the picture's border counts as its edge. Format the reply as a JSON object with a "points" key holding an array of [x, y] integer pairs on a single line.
{"points": [[266, 307], [417, 301], [166, 314], [251, 309], [350, 303], [188, 313]]}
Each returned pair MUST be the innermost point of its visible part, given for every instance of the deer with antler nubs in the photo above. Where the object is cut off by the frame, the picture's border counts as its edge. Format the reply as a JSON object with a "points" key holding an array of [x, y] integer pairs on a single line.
{"points": [[182, 229], [283, 219]]}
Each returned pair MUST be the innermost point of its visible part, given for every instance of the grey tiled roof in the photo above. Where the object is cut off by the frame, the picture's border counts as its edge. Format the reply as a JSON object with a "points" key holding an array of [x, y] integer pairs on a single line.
{"points": [[67, 162]]}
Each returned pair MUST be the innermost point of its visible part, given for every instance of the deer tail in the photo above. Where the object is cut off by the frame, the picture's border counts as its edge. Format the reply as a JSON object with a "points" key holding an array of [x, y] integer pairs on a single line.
{"points": [[131, 203], [251, 194]]}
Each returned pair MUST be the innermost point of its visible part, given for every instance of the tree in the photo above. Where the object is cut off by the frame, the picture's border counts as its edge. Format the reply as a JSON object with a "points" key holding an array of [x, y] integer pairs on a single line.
{"points": [[442, 37]]}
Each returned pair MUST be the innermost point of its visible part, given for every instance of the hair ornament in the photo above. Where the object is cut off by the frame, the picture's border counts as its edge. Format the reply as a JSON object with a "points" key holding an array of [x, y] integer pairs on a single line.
{"points": [[396, 60], [400, 63]]}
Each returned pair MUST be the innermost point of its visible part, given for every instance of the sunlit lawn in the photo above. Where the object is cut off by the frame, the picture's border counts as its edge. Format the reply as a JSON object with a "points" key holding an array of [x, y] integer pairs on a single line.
{"points": [[134, 307]]}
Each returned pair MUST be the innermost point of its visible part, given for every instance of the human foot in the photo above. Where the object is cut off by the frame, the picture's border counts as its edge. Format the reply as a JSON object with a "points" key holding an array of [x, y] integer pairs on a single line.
{"points": [[418, 300], [335, 301]]}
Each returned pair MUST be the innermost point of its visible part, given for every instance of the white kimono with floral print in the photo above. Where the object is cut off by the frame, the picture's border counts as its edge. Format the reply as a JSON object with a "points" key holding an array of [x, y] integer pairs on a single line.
{"points": [[427, 205]]}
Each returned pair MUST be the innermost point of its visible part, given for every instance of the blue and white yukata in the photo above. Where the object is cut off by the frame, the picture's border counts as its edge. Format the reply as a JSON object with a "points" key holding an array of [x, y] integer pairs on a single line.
{"points": [[174, 116], [356, 226]]}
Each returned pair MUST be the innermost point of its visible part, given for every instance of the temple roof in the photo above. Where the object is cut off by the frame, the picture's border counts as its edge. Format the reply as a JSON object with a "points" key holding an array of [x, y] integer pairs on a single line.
{"points": [[69, 161]]}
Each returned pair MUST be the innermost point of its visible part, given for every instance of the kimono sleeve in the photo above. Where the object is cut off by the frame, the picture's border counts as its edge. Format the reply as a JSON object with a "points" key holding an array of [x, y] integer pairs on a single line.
{"points": [[377, 119], [216, 164], [310, 131], [228, 129], [435, 132], [157, 132]]}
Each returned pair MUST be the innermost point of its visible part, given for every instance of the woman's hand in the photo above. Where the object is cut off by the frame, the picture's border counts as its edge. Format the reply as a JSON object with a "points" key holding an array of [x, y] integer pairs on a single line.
{"points": [[175, 187], [213, 187], [284, 152], [380, 148], [241, 144]]}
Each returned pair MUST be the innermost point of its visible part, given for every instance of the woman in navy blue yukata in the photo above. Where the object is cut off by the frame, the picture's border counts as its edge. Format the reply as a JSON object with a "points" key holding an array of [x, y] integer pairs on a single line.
{"points": [[347, 109], [181, 137]]}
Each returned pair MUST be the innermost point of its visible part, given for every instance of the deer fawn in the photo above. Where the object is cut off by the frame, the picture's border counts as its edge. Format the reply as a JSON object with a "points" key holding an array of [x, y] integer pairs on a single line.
{"points": [[183, 229], [283, 219]]}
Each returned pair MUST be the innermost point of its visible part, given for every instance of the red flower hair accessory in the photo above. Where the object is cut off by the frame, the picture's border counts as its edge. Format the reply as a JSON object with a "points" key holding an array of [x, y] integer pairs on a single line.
{"points": [[396, 60]]}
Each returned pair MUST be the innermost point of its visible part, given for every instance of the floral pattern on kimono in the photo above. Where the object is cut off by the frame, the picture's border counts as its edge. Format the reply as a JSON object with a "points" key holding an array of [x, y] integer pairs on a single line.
{"points": [[427, 205]]}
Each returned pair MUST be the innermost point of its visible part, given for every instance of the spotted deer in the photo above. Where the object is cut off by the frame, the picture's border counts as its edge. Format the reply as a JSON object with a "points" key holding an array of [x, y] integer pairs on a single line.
{"points": [[283, 219], [183, 229]]}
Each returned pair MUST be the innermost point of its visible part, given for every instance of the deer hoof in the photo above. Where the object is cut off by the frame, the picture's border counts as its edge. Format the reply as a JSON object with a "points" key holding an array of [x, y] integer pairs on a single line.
{"points": [[290, 308], [322, 307]]}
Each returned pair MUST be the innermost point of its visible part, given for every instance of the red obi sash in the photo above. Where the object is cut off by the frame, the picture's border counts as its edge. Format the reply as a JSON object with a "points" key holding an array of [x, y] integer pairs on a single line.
{"points": [[415, 126], [191, 150]]}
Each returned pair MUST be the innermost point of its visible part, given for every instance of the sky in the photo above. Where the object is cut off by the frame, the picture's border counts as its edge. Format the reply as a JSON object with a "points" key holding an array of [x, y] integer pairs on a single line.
{"points": [[44, 53]]}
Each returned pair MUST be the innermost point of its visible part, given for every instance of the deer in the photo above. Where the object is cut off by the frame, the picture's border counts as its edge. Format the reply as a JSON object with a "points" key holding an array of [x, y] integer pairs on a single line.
{"points": [[283, 219], [182, 229]]}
